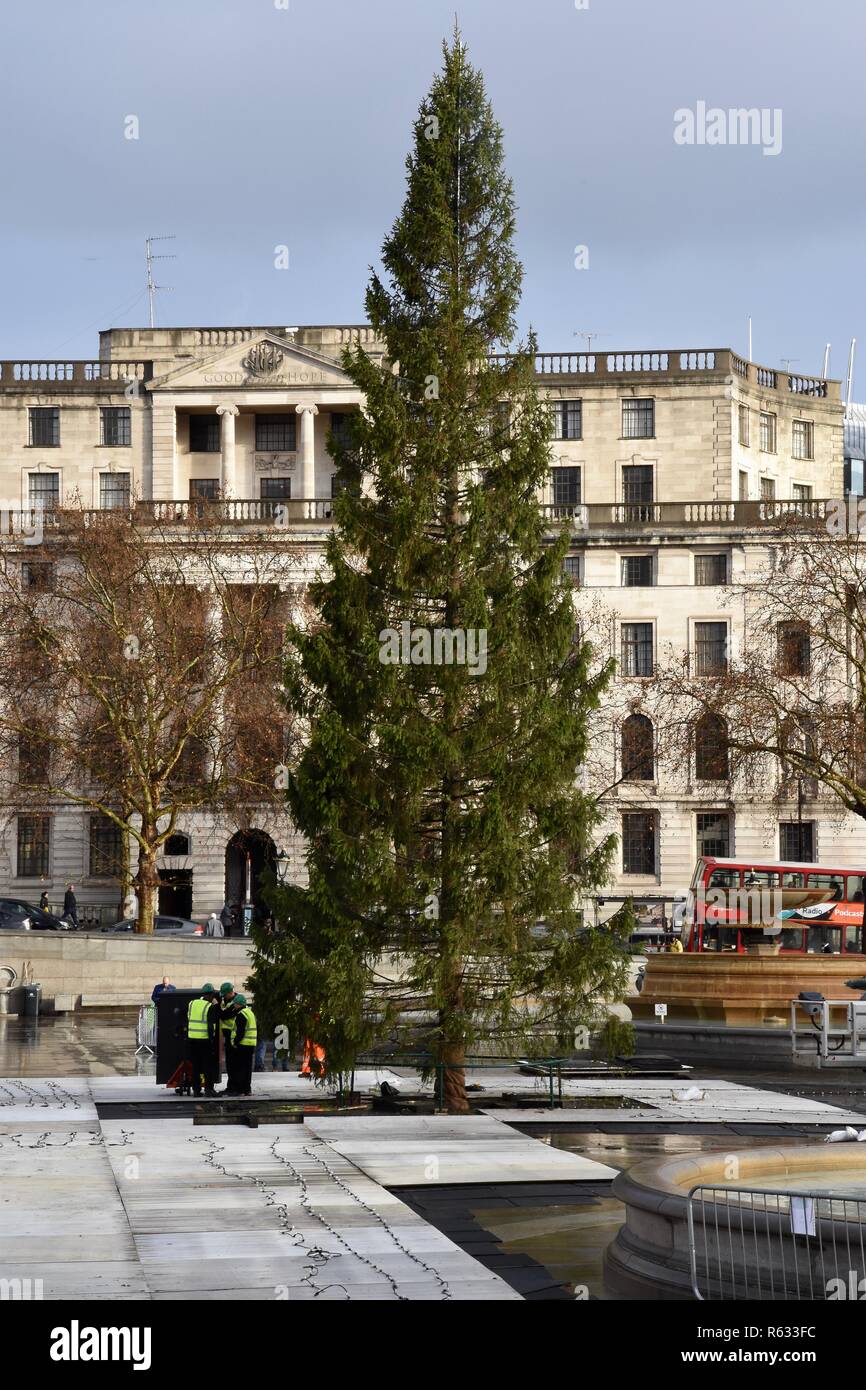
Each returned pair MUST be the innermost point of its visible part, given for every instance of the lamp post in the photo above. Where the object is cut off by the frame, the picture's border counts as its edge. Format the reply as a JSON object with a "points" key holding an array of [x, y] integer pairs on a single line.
{"points": [[282, 866]]}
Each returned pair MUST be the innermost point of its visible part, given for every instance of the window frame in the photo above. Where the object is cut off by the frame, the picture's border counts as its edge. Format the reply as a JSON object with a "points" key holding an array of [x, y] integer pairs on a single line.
{"points": [[41, 848], [636, 645], [637, 411], [40, 412], [118, 413], [564, 414], [651, 829], [267, 421]]}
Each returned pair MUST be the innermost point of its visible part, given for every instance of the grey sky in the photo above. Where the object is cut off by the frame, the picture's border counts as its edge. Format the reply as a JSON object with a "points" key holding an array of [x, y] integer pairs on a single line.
{"points": [[262, 126]]}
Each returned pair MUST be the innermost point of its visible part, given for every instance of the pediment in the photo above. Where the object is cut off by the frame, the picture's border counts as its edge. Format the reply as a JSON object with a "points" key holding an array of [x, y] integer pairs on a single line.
{"points": [[266, 362]]}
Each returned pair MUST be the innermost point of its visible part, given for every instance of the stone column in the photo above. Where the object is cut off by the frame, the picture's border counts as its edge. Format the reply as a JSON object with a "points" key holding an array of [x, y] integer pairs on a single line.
{"points": [[308, 415], [227, 448]]}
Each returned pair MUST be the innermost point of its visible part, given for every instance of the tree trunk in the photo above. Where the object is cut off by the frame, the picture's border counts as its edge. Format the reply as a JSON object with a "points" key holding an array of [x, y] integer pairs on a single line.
{"points": [[454, 1099], [146, 884]]}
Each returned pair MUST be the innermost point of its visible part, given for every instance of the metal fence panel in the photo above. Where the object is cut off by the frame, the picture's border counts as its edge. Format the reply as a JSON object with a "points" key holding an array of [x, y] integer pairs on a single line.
{"points": [[752, 1243]]}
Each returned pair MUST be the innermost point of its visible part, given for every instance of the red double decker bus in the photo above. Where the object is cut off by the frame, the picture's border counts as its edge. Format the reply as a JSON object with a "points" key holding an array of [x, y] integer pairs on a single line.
{"points": [[805, 908]]}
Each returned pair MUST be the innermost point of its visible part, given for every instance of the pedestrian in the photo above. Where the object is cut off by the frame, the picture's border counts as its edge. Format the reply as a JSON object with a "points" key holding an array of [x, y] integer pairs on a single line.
{"points": [[202, 1031], [227, 1017], [70, 906], [43, 901], [243, 1046], [226, 919], [213, 926], [166, 987]]}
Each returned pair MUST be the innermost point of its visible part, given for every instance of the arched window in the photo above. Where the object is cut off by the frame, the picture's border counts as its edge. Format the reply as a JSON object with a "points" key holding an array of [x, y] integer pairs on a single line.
{"points": [[711, 748], [638, 752], [176, 845]]}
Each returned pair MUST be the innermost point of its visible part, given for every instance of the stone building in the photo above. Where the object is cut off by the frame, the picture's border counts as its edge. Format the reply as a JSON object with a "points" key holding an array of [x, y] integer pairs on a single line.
{"points": [[667, 465]]}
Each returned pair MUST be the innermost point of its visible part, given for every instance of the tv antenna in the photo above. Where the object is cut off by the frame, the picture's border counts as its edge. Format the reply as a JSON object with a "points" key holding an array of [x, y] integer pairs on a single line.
{"points": [[588, 336], [786, 362], [151, 287]]}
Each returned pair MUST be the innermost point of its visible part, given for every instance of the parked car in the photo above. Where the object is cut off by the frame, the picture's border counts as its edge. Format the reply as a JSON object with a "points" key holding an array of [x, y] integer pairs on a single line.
{"points": [[163, 926], [40, 920], [11, 919]]}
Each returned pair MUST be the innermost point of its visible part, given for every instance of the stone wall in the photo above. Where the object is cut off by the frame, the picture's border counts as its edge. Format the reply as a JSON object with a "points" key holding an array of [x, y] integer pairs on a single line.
{"points": [[112, 971]]}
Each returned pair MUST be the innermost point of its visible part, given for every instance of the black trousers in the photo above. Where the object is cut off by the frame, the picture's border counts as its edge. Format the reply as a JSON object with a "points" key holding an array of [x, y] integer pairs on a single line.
{"points": [[243, 1070], [202, 1055]]}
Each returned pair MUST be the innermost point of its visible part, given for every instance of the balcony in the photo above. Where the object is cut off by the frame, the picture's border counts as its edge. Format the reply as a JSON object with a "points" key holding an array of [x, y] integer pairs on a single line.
{"points": [[299, 513]]}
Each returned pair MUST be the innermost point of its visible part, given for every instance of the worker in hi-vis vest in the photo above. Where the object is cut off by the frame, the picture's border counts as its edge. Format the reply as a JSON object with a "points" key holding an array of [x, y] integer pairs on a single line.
{"points": [[202, 1031], [242, 1048], [227, 1018]]}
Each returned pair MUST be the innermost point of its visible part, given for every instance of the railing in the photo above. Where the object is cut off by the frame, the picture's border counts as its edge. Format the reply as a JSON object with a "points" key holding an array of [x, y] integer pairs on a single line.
{"points": [[817, 1040], [754, 1243], [107, 375], [601, 515], [656, 363], [30, 523]]}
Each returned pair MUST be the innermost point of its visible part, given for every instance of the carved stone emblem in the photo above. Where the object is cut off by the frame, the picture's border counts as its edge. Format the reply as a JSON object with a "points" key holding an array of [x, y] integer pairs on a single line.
{"points": [[264, 359]]}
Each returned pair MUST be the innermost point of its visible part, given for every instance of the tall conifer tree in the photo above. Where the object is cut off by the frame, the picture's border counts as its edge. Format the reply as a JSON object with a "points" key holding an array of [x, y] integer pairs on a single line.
{"points": [[441, 802]]}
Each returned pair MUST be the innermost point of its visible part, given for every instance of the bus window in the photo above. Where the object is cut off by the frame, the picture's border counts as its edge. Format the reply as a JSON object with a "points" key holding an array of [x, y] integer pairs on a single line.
{"points": [[823, 941], [761, 878], [792, 880], [724, 878], [792, 938], [853, 940], [854, 888], [832, 884]]}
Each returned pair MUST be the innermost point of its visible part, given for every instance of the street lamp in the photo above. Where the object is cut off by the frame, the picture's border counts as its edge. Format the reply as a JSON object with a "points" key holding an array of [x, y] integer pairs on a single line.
{"points": [[283, 862]]}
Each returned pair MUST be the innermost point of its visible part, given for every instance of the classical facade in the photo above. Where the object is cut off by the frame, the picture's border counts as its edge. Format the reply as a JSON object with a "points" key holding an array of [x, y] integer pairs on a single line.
{"points": [[667, 466]]}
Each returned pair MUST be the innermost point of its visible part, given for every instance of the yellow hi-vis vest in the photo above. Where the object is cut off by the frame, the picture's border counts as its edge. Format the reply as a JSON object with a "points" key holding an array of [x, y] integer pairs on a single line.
{"points": [[249, 1037], [196, 1020], [227, 1021]]}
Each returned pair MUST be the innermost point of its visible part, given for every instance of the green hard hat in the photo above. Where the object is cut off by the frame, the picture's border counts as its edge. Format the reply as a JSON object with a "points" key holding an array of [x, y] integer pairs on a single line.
{"points": [[241, 1000], [207, 989], [227, 987]]}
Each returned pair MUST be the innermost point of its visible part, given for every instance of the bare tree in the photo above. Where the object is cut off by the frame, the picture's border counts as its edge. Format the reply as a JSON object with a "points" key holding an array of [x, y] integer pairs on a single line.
{"points": [[783, 709], [141, 670]]}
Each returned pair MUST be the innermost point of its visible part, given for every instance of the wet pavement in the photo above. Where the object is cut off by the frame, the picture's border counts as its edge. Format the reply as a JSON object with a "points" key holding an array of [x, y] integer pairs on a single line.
{"points": [[72, 1045]]}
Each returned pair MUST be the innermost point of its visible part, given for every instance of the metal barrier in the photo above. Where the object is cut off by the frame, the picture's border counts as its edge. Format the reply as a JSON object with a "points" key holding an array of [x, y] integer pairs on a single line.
{"points": [[752, 1243], [145, 1033], [815, 1039]]}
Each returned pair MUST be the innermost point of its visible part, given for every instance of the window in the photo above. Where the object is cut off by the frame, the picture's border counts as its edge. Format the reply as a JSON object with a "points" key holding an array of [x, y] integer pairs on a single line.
{"points": [[744, 486], [176, 846], [338, 485], [38, 575], [341, 427], [798, 756], [637, 749], [743, 414], [711, 649], [568, 419], [276, 487], [637, 491], [636, 656], [106, 848], [768, 432], [44, 490], [276, 433], [711, 569], [565, 487], [115, 426], [714, 834], [34, 759], [803, 439], [711, 748], [638, 419], [207, 488], [802, 492], [114, 490], [797, 842], [204, 434], [572, 568], [637, 571], [794, 649], [45, 426], [768, 489], [34, 838], [638, 843]]}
